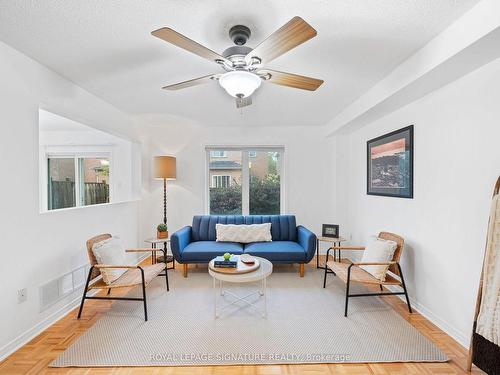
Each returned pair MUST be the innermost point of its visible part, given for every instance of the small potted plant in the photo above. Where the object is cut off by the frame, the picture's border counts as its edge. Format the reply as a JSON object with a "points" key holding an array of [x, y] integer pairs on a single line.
{"points": [[162, 231]]}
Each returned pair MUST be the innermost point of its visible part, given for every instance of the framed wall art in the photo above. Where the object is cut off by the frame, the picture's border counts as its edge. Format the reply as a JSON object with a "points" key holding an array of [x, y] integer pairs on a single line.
{"points": [[390, 164]]}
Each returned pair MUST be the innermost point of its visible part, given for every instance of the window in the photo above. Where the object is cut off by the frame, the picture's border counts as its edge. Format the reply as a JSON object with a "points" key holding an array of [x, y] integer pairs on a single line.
{"points": [[221, 181], [61, 188], [77, 180], [247, 181], [265, 184], [225, 177], [218, 154]]}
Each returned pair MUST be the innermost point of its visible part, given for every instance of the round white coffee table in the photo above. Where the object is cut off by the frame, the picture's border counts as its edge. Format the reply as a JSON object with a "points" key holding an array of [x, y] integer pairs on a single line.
{"points": [[260, 274]]}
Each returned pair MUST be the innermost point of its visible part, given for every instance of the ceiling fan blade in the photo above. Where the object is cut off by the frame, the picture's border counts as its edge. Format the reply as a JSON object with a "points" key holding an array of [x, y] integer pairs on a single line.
{"points": [[192, 82], [172, 36], [243, 102], [290, 80], [293, 33]]}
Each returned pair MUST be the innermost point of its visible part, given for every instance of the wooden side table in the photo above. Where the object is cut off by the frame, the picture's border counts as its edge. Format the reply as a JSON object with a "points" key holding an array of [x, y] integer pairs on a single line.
{"points": [[332, 241], [165, 241]]}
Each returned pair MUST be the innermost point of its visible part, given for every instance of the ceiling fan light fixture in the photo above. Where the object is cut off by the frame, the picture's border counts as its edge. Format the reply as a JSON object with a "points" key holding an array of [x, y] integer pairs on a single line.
{"points": [[240, 83]]}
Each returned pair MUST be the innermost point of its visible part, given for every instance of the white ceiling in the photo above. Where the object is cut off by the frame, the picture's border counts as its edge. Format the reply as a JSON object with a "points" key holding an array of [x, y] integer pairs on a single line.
{"points": [[105, 46]]}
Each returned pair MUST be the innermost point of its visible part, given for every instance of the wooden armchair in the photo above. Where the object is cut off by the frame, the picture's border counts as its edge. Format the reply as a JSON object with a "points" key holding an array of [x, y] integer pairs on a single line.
{"points": [[351, 272], [134, 275]]}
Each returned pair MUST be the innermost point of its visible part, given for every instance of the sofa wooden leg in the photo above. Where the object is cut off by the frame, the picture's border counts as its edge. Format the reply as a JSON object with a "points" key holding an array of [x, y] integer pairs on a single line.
{"points": [[185, 270], [301, 269]]}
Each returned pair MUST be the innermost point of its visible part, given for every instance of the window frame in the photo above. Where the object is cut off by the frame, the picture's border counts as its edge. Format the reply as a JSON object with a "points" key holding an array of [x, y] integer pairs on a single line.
{"points": [[69, 152], [245, 173]]}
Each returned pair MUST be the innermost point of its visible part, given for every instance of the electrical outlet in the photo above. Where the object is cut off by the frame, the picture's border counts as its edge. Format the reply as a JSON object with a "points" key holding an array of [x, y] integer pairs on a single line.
{"points": [[22, 295]]}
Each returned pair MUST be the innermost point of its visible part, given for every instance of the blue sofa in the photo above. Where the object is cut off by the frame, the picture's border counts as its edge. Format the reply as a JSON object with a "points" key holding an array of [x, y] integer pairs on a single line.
{"points": [[290, 243]]}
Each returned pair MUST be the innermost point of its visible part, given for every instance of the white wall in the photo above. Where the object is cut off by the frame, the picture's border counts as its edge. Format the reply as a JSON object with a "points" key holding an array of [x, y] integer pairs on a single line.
{"points": [[457, 161], [307, 160], [36, 248]]}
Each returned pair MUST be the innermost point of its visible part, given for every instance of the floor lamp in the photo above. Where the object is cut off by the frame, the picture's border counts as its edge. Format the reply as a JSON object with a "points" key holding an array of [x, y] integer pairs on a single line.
{"points": [[165, 168]]}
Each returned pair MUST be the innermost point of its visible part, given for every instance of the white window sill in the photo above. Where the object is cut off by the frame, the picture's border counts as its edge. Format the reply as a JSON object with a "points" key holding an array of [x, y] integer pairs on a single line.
{"points": [[87, 207]]}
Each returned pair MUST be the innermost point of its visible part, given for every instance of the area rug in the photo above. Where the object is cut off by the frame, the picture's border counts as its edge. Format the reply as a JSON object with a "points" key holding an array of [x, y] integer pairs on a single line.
{"points": [[305, 324]]}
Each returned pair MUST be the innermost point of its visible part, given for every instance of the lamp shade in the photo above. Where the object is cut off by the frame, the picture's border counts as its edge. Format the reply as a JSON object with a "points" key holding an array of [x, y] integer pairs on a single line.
{"points": [[165, 167]]}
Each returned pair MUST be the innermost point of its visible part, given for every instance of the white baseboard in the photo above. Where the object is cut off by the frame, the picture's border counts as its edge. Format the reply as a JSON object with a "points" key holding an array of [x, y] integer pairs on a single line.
{"points": [[458, 336], [455, 334], [31, 333]]}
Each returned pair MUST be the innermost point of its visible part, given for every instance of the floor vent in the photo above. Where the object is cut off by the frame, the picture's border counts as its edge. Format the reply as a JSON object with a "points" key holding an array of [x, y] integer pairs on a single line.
{"points": [[57, 289]]}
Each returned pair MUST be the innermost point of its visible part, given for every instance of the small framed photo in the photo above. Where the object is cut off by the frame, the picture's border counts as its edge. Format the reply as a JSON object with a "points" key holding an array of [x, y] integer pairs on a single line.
{"points": [[330, 230]]}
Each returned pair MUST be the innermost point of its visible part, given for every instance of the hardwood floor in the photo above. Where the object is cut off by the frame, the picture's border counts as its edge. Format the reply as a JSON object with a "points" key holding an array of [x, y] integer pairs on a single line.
{"points": [[34, 357]]}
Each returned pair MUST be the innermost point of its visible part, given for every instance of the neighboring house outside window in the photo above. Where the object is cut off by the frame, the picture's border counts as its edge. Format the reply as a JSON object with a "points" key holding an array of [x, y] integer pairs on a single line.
{"points": [[227, 165], [221, 181], [218, 154]]}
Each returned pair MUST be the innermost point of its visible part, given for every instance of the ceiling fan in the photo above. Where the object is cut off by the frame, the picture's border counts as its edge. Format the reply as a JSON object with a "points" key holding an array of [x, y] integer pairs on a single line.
{"points": [[243, 65]]}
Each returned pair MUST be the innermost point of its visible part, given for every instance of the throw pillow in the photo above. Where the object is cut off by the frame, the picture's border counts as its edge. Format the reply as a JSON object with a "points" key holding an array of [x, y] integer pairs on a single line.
{"points": [[111, 253], [243, 233], [378, 250]]}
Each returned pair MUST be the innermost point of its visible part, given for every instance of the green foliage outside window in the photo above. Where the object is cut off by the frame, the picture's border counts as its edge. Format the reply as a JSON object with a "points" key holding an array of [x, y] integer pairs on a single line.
{"points": [[225, 200], [264, 197]]}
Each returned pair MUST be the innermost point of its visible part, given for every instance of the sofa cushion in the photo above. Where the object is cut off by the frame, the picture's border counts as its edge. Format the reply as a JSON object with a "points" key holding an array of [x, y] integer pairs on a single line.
{"points": [[243, 233], [284, 251], [205, 251], [283, 227]]}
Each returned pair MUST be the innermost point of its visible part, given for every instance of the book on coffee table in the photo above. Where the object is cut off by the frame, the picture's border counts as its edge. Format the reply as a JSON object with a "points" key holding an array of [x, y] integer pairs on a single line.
{"points": [[222, 263]]}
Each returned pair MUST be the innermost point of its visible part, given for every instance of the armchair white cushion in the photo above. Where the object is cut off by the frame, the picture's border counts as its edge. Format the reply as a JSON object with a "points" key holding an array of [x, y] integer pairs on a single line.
{"points": [[110, 252], [378, 250]]}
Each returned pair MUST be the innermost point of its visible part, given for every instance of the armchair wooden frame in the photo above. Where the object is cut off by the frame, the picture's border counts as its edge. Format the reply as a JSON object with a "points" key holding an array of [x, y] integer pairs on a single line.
{"points": [[351, 272], [129, 279]]}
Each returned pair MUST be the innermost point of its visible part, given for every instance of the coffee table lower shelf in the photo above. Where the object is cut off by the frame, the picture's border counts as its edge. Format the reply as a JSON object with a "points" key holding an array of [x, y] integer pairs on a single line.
{"points": [[259, 275], [220, 291]]}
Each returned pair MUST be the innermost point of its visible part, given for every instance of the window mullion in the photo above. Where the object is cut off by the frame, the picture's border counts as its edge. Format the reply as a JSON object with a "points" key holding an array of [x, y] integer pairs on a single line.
{"points": [[245, 184], [48, 185], [282, 182], [209, 181], [77, 182]]}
